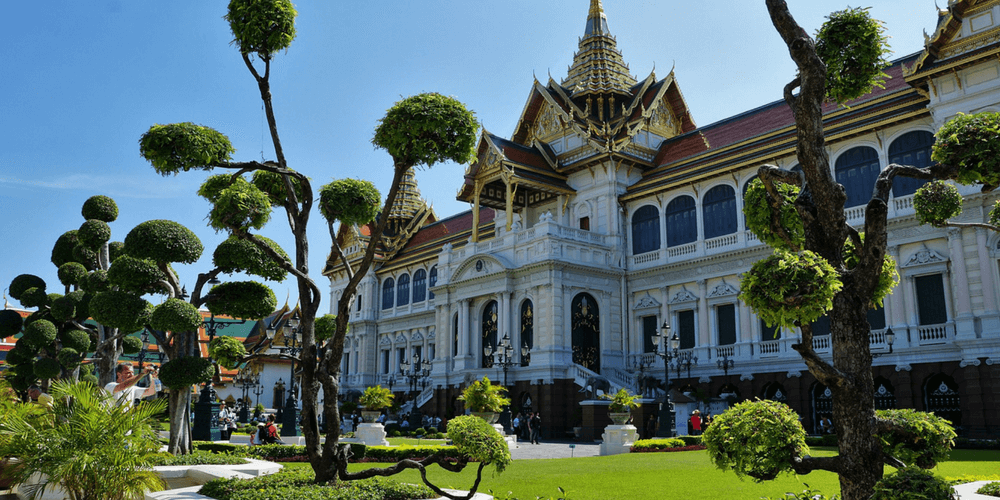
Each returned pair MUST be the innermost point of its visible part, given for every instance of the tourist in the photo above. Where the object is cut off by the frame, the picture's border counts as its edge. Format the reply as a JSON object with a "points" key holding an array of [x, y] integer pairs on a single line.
{"points": [[536, 427], [124, 387], [696, 423]]}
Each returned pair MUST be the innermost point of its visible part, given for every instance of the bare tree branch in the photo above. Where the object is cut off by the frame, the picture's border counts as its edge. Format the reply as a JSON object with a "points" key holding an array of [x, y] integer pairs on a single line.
{"points": [[807, 464], [824, 372]]}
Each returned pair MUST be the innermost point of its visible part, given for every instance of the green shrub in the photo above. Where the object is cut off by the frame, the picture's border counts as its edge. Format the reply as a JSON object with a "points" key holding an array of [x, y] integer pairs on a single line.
{"points": [[24, 282], [692, 440], [912, 483], [991, 489], [163, 241], [242, 299], [100, 207], [350, 201], [854, 46], [786, 288], [969, 143], [658, 444], [236, 255], [807, 494], [297, 484], [756, 438], [175, 315], [936, 202], [184, 146], [274, 185], [927, 439], [214, 447], [199, 457], [227, 351], [397, 453], [182, 373], [94, 233], [758, 215], [479, 441], [262, 28]]}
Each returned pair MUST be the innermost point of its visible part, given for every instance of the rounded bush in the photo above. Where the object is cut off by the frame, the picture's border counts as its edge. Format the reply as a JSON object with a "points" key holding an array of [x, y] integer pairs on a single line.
{"points": [[479, 441], [163, 241], [41, 314], [40, 333], [175, 315], [10, 322], [325, 326], [350, 201], [101, 208], [937, 201], [426, 129], [854, 48], [118, 309], [262, 27], [85, 256], [788, 288], [97, 281], [929, 437], [20, 354], [89, 377], [115, 250], [184, 146], [94, 233], [62, 251], [242, 299], [64, 308], [46, 368], [23, 283], [237, 255], [756, 438], [131, 345], [214, 184], [274, 185], [72, 273], [240, 206], [227, 351], [182, 373], [78, 340], [757, 209], [135, 275], [969, 143], [69, 358], [913, 483], [888, 277]]}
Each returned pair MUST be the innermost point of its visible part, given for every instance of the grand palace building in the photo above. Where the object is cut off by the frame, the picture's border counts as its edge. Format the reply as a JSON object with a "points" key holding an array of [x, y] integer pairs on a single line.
{"points": [[608, 211]]}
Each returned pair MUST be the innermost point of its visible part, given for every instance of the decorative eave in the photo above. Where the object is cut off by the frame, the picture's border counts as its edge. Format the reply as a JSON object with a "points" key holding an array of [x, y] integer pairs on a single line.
{"points": [[949, 25]]}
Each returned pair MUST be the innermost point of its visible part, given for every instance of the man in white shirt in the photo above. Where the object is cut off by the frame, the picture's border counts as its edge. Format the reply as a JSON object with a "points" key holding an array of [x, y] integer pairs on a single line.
{"points": [[125, 389]]}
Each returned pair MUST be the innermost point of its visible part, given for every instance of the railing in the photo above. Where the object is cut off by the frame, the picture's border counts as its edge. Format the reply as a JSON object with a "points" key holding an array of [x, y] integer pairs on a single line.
{"points": [[425, 396], [682, 250], [876, 337], [821, 343], [855, 213], [721, 241], [728, 351], [904, 203], [580, 375], [581, 235], [751, 238], [621, 377], [934, 334], [526, 235], [645, 258], [770, 348]]}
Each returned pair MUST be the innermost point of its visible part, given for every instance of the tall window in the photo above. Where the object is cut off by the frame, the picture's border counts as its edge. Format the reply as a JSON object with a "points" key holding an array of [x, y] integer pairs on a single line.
{"points": [[930, 299], [419, 286], [385, 361], [769, 332], [686, 331], [527, 330], [586, 332], [725, 318], [432, 280], [649, 329], [403, 290], [682, 223], [645, 230], [914, 149], [489, 332], [857, 170], [400, 357], [388, 289], [358, 300], [347, 363], [454, 335], [719, 210]]}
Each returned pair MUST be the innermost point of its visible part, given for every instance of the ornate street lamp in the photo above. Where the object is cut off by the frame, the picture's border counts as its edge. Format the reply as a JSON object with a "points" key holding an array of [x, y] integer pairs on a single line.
{"points": [[417, 377], [725, 364]]}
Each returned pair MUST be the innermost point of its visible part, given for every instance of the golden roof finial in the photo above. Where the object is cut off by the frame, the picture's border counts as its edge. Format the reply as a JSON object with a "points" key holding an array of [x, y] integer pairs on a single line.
{"points": [[408, 201], [598, 66], [597, 22]]}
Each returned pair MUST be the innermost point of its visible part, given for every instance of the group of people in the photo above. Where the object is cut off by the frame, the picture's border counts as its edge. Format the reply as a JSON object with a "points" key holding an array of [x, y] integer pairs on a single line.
{"points": [[528, 427]]}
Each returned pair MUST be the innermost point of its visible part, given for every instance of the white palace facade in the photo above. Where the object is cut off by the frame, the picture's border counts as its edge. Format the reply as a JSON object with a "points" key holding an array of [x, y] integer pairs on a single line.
{"points": [[608, 212]]}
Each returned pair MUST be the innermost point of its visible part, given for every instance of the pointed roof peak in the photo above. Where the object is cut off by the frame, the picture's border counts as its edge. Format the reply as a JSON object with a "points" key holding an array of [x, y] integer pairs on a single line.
{"points": [[597, 22]]}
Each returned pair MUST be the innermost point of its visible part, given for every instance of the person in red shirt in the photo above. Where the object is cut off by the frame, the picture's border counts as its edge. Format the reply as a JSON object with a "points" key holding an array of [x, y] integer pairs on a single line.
{"points": [[696, 423]]}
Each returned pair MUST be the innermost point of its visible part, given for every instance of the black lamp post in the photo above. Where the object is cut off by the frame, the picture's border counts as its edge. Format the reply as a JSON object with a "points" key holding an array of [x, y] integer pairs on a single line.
{"points": [[246, 379], [416, 375], [257, 391], [292, 346], [725, 364], [503, 357], [661, 349]]}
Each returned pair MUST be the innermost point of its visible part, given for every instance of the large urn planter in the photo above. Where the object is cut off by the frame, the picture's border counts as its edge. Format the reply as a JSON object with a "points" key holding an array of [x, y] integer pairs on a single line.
{"points": [[490, 417], [370, 416], [619, 418]]}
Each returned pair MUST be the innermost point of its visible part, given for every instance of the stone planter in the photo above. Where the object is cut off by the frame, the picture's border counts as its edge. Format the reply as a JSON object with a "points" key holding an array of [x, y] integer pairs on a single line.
{"points": [[619, 418], [370, 416], [489, 417]]}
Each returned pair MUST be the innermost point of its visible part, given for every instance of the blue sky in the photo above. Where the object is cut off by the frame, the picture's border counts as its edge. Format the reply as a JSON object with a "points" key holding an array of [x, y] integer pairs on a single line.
{"points": [[83, 80]]}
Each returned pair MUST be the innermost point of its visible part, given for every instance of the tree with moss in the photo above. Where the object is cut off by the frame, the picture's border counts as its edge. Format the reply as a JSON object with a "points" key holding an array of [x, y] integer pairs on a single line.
{"points": [[822, 265], [420, 130]]}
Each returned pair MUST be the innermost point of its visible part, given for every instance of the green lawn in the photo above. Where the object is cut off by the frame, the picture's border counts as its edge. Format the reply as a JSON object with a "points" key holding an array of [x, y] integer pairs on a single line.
{"points": [[396, 441], [678, 475]]}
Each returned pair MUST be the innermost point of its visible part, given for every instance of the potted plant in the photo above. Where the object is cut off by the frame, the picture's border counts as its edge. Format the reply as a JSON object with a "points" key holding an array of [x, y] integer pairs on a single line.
{"points": [[621, 405], [374, 400], [484, 399]]}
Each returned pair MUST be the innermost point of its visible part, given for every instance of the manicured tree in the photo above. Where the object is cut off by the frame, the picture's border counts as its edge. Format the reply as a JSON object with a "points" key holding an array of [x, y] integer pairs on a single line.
{"points": [[826, 266], [422, 130], [56, 335]]}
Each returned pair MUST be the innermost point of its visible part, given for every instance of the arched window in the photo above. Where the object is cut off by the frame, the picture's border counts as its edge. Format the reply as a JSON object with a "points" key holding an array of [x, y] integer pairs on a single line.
{"points": [[857, 170], [913, 149], [419, 286], [682, 224], [775, 392], [489, 332], [403, 290], [822, 405], [586, 332], [527, 330], [388, 289], [942, 398], [432, 280], [645, 230], [885, 397], [719, 211]]}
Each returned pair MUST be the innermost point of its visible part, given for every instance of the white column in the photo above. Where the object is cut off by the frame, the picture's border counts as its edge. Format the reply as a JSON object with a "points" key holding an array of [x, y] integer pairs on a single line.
{"points": [[964, 321], [991, 317], [704, 335]]}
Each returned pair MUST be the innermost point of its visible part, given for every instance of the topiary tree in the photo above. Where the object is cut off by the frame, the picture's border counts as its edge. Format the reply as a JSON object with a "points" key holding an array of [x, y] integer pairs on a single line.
{"points": [[421, 130], [851, 270]]}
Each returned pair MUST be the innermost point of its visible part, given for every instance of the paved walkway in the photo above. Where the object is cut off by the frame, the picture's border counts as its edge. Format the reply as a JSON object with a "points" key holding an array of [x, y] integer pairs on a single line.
{"points": [[554, 449]]}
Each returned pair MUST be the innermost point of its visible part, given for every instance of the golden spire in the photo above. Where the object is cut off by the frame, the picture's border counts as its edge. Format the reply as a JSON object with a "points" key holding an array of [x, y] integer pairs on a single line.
{"points": [[408, 201], [598, 66]]}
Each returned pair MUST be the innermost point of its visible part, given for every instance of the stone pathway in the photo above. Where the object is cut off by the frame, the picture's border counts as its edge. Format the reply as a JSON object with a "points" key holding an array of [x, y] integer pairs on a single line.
{"points": [[554, 449]]}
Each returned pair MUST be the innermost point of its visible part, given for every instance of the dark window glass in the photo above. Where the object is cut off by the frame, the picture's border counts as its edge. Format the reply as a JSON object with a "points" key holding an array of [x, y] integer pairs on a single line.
{"points": [[585, 223], [454, 335], [347, 363], [857, 170], [432, 280], [769, 332], [930, 300], [649, 329], [527, 330], [876, 318], [913, 149], [682, 224], [685, 323], [419, 286], [385, 361], [403, 290], [726, 319], [821, 326], [388, 289], [645, 230], [358, 299], [719, 212]]}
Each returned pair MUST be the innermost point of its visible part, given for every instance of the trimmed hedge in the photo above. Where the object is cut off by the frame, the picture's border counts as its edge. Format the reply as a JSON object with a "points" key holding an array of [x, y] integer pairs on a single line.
{"points": [[298, 485]]}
